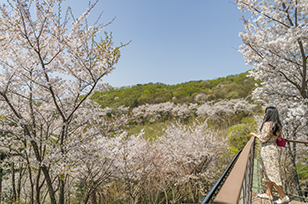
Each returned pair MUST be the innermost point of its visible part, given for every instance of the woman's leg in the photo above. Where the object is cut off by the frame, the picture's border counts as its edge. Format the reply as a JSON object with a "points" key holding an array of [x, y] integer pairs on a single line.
{"points": [[280, 191], [269, 189]]}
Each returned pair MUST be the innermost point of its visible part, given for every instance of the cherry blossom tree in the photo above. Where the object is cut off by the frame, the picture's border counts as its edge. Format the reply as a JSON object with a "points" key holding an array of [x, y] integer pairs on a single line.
{"points": [[275, 42], [134, 163], [93, 172], [191, 156], [49, 70], [179, 163]]}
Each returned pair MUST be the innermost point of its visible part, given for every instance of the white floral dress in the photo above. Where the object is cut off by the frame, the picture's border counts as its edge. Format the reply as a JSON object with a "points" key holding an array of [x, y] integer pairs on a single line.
{"points": [[269, 154]]}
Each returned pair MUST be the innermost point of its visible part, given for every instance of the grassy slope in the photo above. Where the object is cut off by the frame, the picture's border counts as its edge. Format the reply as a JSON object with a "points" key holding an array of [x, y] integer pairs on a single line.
{"points": [[230, 87]]}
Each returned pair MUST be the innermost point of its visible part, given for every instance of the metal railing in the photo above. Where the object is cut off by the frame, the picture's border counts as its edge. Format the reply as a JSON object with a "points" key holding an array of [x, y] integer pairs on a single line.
{"points": [[241, 180], [217, 186]]}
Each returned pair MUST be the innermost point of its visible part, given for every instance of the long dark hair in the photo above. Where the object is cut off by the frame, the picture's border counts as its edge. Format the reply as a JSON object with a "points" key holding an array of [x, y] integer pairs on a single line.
{"points": [[271, 114]]}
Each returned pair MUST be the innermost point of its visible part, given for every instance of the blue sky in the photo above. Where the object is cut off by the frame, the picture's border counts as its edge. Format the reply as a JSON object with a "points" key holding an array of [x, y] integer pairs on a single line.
{"points": [[172, 41]]}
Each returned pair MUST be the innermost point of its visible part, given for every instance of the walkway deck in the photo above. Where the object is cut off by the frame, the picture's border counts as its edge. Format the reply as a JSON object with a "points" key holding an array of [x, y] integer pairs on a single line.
{"points": [[256, 200]]}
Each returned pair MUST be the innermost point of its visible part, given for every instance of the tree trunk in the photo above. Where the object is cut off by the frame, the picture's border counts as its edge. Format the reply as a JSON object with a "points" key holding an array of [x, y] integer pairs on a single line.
{"points": [[38, 188], [93, 197], [1, 176], [31, 184], [45, 171], [85, 198], [49, 185], [44, 168], [21, 169], [13, 183], [61, 196]]}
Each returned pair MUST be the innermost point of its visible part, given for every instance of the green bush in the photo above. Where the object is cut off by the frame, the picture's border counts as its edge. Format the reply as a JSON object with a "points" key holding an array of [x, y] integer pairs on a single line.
{"points": [[238, 135]]}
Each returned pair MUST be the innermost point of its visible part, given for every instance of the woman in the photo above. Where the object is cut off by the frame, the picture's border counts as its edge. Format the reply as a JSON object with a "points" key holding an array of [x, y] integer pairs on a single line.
{"points": [[271, 129]]}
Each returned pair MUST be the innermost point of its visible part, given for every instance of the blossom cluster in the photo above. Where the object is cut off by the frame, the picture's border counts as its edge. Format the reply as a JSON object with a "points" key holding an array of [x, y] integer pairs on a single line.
{"points": [[212, 110]]}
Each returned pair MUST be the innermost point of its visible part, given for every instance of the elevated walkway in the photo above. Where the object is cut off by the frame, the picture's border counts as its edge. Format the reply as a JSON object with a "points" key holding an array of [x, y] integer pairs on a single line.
{"points": [[241, 181]]}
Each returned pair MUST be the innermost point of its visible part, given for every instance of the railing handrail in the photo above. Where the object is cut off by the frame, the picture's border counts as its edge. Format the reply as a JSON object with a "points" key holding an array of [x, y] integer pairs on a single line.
{"points": [[297, 141], [232, 188]]}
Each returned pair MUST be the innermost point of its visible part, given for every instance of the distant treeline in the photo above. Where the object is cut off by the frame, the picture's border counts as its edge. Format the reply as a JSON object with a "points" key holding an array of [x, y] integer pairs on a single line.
{"points": [[229, 87]]}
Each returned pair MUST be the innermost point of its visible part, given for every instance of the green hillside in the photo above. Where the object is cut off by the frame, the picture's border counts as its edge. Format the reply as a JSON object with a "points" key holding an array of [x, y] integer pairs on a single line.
{"points": [[229, 87]]}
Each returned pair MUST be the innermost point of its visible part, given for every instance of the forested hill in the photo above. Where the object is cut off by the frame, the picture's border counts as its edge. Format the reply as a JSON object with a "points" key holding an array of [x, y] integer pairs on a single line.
{"points": [[229, 87]]}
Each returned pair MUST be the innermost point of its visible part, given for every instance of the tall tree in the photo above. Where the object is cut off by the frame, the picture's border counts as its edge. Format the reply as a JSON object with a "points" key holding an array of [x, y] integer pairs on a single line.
{"points": [[43, 111], [276, 43]]}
